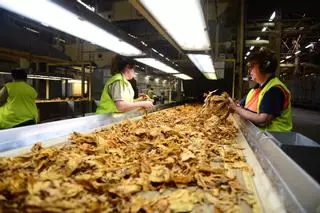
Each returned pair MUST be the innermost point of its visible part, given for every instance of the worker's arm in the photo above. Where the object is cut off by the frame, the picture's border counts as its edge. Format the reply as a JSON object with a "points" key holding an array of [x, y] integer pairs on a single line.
{"points": [[118, 94], [123, 106], [260, 119], [3, 96]]}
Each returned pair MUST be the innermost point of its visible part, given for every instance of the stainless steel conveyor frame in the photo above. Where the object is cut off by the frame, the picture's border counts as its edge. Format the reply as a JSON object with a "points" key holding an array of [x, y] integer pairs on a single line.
{"points": [[297, 191]]}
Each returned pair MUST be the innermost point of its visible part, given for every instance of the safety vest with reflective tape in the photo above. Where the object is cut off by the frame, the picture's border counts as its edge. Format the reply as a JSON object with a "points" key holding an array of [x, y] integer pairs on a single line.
{"points": [[282, 123], [20, 106], [107, 105]]}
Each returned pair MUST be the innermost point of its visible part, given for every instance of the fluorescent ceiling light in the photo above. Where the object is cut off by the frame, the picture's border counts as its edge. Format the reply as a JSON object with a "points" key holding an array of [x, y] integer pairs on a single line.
{"points": [[258, 38], [296, 53], [183, 76], [132, 36], [210, 75], [187, 27], [31, 30], [87, 6], [156, 64], [62, 40], [252, 47], [5, 73], [310, 45], [46, 77], [273, 15], [76, 81], [144, 44], [154, 50], [289, 56], [264, 29], [203, 62], [55, 16]]}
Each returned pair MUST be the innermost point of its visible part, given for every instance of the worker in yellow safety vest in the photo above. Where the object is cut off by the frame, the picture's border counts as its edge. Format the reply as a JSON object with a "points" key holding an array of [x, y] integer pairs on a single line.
{"points": [[268, 104], [118, 94], [17, 102]]}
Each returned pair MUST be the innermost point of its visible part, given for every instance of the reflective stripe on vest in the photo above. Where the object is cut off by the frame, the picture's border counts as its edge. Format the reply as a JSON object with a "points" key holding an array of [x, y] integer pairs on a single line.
{"points": [[20, 106], [282, 123]]}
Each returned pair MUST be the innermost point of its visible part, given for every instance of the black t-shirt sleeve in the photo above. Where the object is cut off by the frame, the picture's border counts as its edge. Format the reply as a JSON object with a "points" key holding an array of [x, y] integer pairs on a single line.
{"points": [[273, 102], [243, 101]]}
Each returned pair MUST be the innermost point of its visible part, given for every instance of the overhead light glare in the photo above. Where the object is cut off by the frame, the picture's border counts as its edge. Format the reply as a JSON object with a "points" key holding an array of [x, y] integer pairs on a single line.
{"points": [[46, 77], [154, 50], [86, 6], [157, 65], [132, 36], [203, 62], [309, 45], [31, 30], [273, 15], [144, 44], [210, 75], [183, 76], [61, 19], [191, 36]]}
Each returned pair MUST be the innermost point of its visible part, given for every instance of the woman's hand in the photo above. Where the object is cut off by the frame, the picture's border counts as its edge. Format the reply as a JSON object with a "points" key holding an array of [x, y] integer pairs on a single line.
{"points": [[233, 105], [146, 104]]}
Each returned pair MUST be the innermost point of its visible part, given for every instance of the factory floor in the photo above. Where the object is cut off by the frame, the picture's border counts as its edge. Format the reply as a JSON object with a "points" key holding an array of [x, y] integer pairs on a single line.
{"points": [[307, 122]]}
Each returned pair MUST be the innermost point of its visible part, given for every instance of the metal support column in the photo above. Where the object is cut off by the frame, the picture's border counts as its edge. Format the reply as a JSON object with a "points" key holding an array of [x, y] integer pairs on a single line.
{"points": [[47, 84], [278, 41], [233, 78], [89, 84], [66, 86], [83, 75], [241, 49], [83, 78], [179, 84], [216, 50]]}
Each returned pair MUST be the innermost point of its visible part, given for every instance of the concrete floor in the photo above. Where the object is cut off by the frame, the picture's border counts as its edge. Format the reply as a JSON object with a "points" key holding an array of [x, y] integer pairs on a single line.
{"points": [[307, 122]]}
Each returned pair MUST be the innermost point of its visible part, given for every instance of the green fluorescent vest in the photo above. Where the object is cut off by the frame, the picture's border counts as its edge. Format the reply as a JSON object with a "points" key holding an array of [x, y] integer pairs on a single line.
{"points": [[282, 123], [20, 106], [106, 104]]}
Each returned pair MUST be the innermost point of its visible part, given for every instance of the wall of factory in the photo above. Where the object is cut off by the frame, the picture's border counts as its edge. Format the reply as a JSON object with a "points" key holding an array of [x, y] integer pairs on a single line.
{"points": [[89, 52], [197, 87], [304, 90]]}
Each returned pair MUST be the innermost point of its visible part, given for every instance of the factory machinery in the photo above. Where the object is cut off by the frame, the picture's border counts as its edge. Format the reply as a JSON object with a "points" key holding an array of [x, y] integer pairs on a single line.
{"points": [[280, 184]]}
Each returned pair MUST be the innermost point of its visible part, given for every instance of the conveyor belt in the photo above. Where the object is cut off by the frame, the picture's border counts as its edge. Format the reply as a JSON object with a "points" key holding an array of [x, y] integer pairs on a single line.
{"points": [[279, 183]]}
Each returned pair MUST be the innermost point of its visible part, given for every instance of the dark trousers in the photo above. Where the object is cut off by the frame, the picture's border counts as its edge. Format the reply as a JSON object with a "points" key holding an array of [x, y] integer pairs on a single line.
{"points": [[26, 123]]}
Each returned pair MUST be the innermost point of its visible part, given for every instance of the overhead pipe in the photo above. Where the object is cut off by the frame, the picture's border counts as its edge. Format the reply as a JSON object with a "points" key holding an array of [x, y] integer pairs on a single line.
{"points": [[257, 43]]}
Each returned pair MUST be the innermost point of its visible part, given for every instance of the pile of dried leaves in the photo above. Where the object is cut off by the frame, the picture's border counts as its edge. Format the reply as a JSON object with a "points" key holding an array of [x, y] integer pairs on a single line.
{"points": [[174, 160]]}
